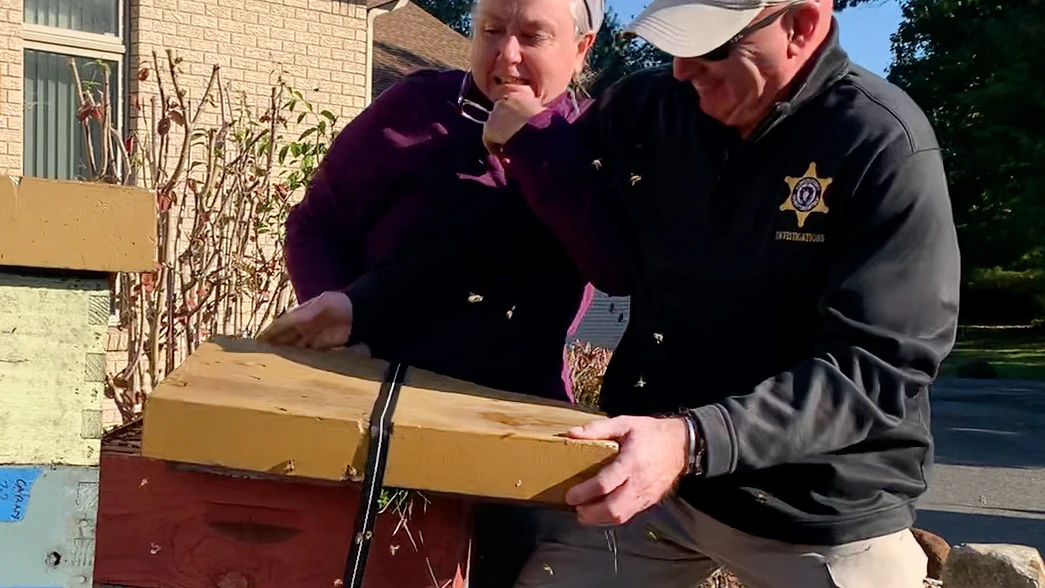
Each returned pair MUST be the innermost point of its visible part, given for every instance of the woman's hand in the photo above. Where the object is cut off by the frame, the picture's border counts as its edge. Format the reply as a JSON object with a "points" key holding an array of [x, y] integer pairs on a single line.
{"points": [[324, 322], [510, 114]]}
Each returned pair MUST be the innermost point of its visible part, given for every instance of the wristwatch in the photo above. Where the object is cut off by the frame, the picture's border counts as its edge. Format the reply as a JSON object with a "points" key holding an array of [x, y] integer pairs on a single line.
{"points": [[695, 446]]}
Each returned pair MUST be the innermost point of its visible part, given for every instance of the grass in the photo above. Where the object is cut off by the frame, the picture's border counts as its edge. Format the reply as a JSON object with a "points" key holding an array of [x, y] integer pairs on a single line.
{"points": [[1017, 353]]}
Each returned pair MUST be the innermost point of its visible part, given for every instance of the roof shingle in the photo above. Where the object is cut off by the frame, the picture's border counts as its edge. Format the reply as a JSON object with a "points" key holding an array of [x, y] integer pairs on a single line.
{"points": [[409, 39]]}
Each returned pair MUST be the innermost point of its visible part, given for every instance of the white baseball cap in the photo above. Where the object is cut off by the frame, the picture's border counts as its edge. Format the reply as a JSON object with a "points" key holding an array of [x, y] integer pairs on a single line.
{"points": [[690, 28]]}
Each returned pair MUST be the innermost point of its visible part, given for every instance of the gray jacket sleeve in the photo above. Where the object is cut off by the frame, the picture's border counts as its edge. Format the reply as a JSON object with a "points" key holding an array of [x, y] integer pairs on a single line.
{"points": [[890, 312]]}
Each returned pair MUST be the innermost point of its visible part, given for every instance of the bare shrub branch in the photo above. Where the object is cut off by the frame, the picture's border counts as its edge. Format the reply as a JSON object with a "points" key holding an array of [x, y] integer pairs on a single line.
{"points": [[221, 206]]}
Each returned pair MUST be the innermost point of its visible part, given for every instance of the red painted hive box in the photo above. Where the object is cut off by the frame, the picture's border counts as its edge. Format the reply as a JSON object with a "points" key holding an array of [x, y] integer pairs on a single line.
{"points": [[176, 526]]}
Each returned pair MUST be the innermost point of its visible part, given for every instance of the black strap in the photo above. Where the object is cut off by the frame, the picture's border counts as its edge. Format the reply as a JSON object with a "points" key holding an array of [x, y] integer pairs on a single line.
{"points": [[377, 456]]}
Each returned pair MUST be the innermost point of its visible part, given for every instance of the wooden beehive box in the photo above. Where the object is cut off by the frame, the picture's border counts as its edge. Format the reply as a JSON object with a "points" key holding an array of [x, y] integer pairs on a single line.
{"points": [[241, 405], [183, 526], [57, 242], [47, 525]]}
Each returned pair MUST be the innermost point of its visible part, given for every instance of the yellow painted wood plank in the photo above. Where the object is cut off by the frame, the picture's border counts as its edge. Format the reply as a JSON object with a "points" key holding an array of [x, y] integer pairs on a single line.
{"points": [[51, 369], [241, 405], [76, 225]]}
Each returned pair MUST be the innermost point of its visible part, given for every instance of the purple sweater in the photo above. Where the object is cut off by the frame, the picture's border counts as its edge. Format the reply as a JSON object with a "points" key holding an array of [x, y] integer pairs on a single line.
{"points": [[408, 167]]}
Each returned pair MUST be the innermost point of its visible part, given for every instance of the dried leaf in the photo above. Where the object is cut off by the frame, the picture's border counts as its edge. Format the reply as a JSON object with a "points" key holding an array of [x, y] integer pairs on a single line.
{"points": [[83, 113], [177, 117], [164, 126], [165, 202], [143, 74]]}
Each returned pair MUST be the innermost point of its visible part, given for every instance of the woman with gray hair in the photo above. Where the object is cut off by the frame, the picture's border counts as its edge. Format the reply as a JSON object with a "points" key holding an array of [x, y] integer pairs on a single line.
{"points": [[414, 160]]}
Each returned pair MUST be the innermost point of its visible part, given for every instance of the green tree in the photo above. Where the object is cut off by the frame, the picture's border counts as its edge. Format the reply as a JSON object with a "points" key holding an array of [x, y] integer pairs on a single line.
{"points": [[975, 67], [457, 14], [615, 55], [843, 4]]}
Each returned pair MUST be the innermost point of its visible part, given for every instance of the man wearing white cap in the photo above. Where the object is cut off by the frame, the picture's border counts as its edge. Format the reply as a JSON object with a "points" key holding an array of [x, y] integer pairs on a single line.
{"points": [[780, 219]]}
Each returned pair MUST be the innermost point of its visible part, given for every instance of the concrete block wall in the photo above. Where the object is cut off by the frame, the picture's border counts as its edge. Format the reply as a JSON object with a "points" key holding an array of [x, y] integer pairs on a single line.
{"points": [[52, 374], [11, 60], [51, 389]]}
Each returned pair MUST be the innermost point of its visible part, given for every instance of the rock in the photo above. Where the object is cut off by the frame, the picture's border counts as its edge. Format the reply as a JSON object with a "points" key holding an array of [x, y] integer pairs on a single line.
{"points": [[994, 566], [936, 550], [977, 368]]}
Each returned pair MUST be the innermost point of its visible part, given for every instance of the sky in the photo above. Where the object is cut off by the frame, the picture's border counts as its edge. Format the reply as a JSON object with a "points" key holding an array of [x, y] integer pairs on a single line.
{"points": [[864, 31]]}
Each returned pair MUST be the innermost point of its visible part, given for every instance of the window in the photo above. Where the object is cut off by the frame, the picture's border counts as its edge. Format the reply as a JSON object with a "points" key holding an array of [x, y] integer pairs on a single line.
{"points": [[92, 33]]}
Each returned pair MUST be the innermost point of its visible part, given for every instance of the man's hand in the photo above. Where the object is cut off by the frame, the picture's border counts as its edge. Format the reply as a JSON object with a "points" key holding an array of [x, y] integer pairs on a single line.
{"points": [[361, 349], [324, 322], [510, 114], [652, 457]]}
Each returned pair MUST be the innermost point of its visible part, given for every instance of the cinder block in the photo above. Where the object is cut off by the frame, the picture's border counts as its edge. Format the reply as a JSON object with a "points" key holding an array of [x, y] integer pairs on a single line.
{"points": [[52, 361], [48, 517]]}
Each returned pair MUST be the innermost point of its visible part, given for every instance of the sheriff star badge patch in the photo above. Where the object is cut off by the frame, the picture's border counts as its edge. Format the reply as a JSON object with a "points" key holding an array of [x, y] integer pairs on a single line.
{"points": [[807, 194]]}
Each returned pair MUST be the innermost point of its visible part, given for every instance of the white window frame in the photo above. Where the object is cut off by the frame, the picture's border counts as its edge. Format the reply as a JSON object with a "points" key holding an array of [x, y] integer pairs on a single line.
{"points": [[102, 46], [74, 43]]}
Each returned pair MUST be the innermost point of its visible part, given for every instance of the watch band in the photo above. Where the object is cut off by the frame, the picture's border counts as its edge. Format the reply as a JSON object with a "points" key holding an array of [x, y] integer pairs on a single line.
{"points": [[695, 447], [694, 443]]}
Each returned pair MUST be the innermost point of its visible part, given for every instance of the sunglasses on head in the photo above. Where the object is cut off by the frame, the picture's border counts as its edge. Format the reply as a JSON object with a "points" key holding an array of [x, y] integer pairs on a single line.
{"points": [[723, 51], [472, 111]]}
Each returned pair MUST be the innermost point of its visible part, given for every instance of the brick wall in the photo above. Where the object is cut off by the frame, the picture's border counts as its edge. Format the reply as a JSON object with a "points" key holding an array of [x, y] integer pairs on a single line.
{"points": [[11, 86], [320, 45]]}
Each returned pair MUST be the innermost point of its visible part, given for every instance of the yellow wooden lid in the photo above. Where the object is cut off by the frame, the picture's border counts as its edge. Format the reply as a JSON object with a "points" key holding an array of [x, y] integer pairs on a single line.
{"points": [[241, 405]]}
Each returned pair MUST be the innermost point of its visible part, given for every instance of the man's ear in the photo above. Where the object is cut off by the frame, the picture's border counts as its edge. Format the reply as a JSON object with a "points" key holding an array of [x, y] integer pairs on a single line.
{"points": [[804, 22]]}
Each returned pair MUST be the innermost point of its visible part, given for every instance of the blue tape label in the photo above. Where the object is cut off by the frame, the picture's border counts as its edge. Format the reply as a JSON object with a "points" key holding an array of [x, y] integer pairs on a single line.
{"points": [[15, 486]]}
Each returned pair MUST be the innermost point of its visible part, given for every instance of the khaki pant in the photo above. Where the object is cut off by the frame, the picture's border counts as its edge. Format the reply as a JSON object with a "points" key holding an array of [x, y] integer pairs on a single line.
{"points": [[673, 545]]}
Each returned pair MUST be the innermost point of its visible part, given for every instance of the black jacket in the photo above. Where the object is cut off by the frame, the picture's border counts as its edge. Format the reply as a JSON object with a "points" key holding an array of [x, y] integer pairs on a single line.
{"points": [[797, 290]]}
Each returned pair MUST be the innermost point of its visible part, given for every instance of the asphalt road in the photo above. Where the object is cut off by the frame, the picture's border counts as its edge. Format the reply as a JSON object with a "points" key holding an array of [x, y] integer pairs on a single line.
{"points": [[989, 482]]}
